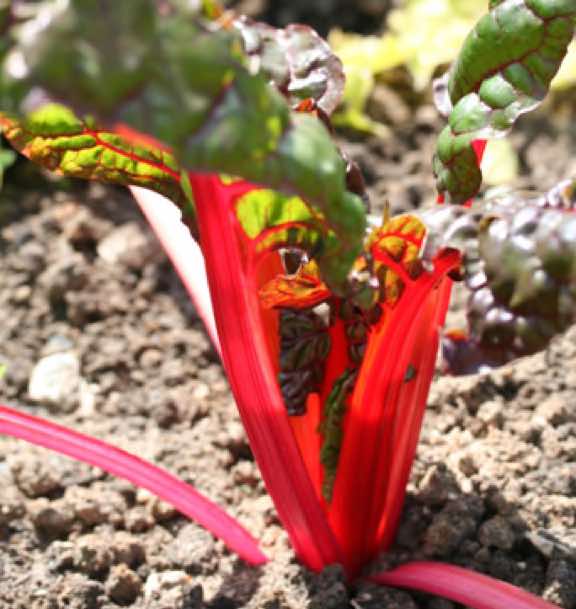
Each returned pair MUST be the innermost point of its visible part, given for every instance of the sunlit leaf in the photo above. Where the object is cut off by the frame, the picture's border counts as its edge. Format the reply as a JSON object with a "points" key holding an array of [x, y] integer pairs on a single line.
{"points": [[191, 87], [302, 290], [490, 85]]}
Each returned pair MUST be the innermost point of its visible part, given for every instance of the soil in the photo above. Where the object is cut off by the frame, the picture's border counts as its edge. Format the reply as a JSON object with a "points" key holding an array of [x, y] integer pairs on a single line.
{"points": [[98, 334]]}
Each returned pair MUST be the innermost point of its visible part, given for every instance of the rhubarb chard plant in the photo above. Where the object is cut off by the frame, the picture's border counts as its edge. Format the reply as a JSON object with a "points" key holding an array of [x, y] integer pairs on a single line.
{"points": [[328, 321]]}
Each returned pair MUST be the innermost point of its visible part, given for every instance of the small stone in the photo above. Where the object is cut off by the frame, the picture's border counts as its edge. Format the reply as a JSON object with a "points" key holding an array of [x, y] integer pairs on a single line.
{"points": [[172, 590], [123, 585], [51, 518], [467, 465], [554, 411], [151, 358], [11, 507], [438, 486], [55, 381], [60, 556], [21, 294], [245, 472], [129, 245], [138, 519], [490, 413], [162, 511], [92, 555], [498, 533], [193, 549]]}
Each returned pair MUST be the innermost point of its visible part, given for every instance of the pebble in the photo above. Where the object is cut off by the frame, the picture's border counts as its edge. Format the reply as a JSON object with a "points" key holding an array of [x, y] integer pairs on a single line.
{"points": [[11, 507], [123, 586], [172, 590], [55, 381], [438, 486], [138, 519], [193, 549], [129, 245]]}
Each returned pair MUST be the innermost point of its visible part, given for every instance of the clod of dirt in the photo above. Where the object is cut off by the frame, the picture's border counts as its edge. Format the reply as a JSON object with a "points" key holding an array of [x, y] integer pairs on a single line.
{"points": [[74, 591], [127, 549], [498, 533], [93, 555], [370, 596], [123, 585], [96, 504], [561, 583], [51, 518]]}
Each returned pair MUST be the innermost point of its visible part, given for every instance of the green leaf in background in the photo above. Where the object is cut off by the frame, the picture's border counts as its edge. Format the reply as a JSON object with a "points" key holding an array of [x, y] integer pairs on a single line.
{"points": [[504, 69], [190, 87], [430, 33], [421, 35]]}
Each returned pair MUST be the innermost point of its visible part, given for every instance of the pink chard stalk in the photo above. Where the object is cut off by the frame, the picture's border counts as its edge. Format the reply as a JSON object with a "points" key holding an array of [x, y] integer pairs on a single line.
{"points": [[328, 328]]}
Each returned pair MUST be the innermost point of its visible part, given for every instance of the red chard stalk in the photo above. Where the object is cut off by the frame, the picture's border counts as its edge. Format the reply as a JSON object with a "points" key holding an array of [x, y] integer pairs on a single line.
{"points": [[328, 329]]}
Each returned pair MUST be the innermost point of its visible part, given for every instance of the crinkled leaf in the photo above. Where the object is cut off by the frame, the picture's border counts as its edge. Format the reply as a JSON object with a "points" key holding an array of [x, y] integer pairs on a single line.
{"points": [[296, 60], [189, 86], [396, 249], [504, 70], [302, 290], [56, 139], [520, 266]]}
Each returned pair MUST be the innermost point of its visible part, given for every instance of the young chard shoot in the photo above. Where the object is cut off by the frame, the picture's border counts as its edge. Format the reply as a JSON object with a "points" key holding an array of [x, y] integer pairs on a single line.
{"points": [[328, 328]]}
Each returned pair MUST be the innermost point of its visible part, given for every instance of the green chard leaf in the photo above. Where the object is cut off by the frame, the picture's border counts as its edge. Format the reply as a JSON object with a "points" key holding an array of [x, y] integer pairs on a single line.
{"points": [[519, 264], [504, 70], [191, 86], [56, 139]]}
